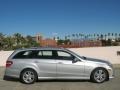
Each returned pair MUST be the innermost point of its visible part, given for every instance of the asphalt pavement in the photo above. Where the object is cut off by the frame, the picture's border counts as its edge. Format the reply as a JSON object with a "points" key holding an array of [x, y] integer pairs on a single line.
{"points": [[14, 84]]}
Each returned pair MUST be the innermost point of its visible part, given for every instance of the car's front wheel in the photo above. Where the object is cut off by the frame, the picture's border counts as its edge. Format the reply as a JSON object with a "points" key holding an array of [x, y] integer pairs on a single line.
{"points": [[99, 75], [28, 76]]}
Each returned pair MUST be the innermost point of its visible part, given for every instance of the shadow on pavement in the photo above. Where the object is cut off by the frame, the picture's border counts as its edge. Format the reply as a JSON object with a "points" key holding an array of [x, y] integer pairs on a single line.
{"points": [[63, 80], [6, 78]]}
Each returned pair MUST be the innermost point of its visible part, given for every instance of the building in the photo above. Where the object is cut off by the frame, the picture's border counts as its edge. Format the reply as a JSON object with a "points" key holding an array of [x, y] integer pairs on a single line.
{"points": [[46, 42]]}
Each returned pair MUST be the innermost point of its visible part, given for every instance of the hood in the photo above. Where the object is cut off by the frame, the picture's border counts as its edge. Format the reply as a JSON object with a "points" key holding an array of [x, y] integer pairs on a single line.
{"points": [[96, 60]]}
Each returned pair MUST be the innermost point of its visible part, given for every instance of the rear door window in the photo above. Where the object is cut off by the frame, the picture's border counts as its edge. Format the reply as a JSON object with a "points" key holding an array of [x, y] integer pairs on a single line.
{"points": [[47, 54]]}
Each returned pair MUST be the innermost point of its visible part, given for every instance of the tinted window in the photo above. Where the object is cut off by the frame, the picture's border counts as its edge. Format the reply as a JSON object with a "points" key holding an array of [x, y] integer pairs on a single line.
{"points": [[22, 55], [34, 54], [64, 55], [45, 54]]}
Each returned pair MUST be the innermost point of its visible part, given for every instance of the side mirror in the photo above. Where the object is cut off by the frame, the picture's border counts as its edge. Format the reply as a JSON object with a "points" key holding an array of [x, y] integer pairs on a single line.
{"points": [[83, 57], [75, 60]]}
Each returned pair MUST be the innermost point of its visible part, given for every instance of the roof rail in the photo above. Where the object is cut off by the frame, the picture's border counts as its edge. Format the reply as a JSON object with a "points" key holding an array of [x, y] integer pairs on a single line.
{"points": [[40, 47]]}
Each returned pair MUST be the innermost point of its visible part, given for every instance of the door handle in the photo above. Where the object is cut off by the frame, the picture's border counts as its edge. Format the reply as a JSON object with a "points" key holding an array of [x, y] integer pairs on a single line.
{"points": [[36, 61], [60, 63]]}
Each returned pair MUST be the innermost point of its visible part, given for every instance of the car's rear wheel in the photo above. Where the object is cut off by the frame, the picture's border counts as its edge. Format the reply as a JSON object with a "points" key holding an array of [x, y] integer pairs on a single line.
{"points": [[28, 76], [99, 75]]}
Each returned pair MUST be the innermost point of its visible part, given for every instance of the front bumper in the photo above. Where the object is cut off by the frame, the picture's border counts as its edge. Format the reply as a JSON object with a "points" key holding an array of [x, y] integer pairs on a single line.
{"points": [[111, 72]]}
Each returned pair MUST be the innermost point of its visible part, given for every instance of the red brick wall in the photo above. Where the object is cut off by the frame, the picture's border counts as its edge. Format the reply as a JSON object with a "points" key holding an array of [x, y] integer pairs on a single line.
{"points": [[48, 42]]}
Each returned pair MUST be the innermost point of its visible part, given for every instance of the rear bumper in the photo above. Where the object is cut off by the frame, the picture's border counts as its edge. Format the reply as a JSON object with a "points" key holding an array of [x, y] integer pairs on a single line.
{"points": [[11, 73]]}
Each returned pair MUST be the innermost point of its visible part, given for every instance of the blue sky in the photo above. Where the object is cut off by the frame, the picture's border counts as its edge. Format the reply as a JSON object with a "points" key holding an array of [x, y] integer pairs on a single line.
{"points": [[59, 17]]}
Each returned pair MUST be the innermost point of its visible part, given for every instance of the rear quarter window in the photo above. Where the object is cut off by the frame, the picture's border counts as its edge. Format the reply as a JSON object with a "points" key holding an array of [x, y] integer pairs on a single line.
{"points": [[22, 55]]}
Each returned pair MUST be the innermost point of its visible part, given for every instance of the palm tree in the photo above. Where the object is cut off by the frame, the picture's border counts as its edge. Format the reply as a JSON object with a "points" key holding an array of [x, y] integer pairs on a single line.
{"points": [[101, 36], [94, 36], [115, 35], [87, 36], [112, 35], [98, 36], [80, 35], [91, 36], [65, 37], [58, 38], [68, 37], [54, 38], [105, 36], [73, 35], [76, 36], [83, 35], [119, 35], [108, 35]]}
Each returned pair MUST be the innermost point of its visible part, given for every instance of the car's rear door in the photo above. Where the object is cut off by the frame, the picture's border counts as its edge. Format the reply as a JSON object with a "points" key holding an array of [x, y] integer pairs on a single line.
{"points": [[46, 63]]}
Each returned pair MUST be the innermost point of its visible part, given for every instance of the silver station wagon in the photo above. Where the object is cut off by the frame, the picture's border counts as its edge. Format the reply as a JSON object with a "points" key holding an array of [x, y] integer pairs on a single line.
{"points": [[34, 64]]}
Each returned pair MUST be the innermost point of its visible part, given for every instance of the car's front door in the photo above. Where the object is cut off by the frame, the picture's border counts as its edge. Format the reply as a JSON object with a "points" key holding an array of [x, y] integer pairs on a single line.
{"points": [[66, 67]]}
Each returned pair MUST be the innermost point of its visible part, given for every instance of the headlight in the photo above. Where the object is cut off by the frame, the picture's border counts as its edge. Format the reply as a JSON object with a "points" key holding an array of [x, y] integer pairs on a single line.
{"points": [[109, 64]]}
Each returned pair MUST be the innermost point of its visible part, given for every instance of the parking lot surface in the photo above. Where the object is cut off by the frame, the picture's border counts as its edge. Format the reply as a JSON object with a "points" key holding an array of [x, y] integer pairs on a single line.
{"points": [[13, 84]]}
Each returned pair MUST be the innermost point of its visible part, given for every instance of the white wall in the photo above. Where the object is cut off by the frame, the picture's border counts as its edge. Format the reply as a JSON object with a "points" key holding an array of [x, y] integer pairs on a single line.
{"points": [[3, 57], [107, 53]]}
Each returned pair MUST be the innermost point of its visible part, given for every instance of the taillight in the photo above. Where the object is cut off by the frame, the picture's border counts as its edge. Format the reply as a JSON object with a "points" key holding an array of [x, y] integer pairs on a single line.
{"points": [[8, 64]]}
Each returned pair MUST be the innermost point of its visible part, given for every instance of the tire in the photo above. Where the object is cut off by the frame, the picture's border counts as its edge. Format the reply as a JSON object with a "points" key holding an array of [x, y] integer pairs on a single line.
{"points": [[99, 75], [28, 76]]}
